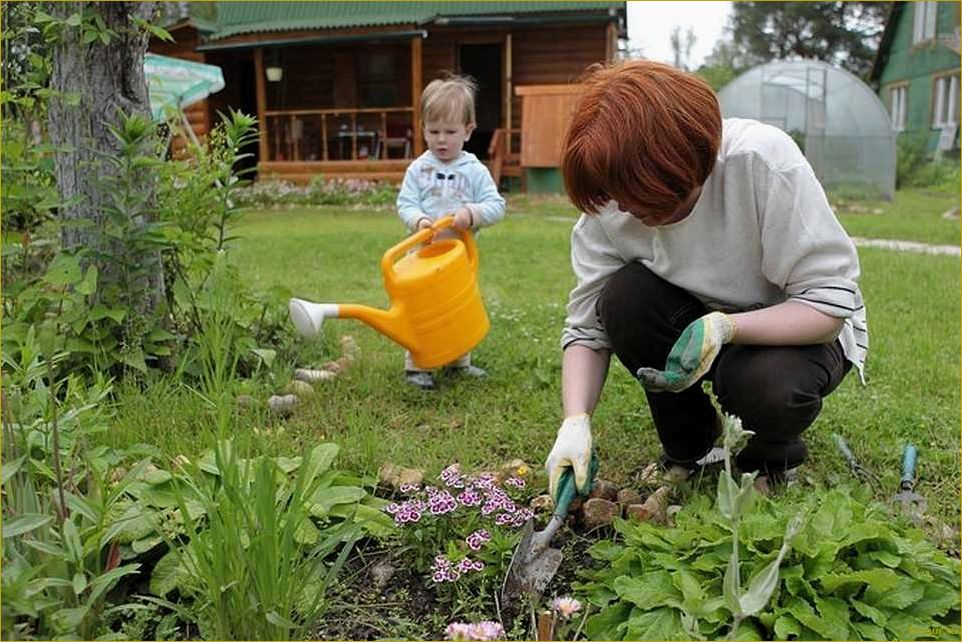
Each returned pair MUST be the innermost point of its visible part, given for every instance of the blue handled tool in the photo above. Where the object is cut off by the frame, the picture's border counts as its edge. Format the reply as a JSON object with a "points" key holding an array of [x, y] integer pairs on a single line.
{"points": [[908, 501], [534, 562]]}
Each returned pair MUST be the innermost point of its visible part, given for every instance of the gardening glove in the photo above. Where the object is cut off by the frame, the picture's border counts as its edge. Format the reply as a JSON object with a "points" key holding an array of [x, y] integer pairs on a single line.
{"points": [[691, 356], [571, 448]]}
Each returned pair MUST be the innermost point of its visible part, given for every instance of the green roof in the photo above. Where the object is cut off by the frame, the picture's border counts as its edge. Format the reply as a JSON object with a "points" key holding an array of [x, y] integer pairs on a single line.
{"points": [[234, 18]]}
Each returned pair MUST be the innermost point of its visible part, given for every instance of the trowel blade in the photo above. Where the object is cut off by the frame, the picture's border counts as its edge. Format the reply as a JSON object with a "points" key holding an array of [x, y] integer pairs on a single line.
{"points": [[530, 571]]}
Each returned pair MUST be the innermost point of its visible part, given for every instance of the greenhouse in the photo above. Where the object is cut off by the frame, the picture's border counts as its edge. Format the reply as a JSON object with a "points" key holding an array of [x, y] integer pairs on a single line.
{"points": [[836, 119]]}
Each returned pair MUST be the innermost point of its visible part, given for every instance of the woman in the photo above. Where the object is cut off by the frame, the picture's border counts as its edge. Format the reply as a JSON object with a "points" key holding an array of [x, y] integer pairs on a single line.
{"points": [[707, 249]]}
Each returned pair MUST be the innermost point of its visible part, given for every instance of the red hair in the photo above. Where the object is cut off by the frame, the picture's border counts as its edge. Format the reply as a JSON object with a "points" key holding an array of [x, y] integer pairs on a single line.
{"points": [[642, 132]]}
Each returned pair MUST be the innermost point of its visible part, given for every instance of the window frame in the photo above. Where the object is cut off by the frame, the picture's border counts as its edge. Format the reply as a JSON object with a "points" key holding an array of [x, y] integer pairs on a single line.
{"points": [[902, 114], [925, 15], [942, 105]]}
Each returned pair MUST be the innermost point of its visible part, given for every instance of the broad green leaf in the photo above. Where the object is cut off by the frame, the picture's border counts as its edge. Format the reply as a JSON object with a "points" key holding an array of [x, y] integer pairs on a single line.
{"points": [[79, 583], [288, 464], [760, 588], [869, 631], [888, 559], [905, 593], [903, 626], [63, 270], [660, 624], [691, 590], [319, 460], [805, 614], [727, 494], [72, 542], [135, 359], [168, 574], [870, 612], [70, 619], [10, 468], [88, 285], [730, 586], [937, 600], [748, 630], [325, 498], [882, 578], [374, 521], [609, 623], [786, 626], [157, 476], [835, 614], [144, 544], [605, 550], [306, 532], [649, 591], [277, 620]]}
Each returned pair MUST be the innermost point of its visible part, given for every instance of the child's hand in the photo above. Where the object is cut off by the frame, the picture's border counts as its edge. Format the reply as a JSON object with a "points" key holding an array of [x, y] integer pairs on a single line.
{"points": [[463, 219], [424, 223]]}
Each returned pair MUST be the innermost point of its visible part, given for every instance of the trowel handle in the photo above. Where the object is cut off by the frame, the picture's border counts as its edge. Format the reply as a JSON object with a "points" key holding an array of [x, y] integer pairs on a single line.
{"points": [[566, 493], [909, 456]]}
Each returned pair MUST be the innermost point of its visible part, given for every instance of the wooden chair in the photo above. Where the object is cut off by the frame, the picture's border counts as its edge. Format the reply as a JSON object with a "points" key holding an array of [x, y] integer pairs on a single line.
{"points": [[502, 162]]}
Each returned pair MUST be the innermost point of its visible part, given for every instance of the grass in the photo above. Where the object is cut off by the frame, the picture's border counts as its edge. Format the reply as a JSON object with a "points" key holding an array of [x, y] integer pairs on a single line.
{"points": [[332, 254], [914, 214]]}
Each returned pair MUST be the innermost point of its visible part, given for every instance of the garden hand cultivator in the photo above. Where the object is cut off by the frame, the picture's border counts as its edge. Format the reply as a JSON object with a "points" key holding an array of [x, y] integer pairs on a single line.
{"points": [[907, 501]]}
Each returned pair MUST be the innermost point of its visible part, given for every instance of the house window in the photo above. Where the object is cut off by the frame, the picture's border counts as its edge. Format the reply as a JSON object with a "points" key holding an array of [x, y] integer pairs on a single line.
{"points": [[924, 26], [897, 103], [945, 97]]}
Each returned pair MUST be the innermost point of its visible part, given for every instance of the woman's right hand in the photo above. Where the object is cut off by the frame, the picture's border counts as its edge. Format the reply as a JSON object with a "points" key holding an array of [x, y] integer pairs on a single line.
{"points": [[572, 449]]}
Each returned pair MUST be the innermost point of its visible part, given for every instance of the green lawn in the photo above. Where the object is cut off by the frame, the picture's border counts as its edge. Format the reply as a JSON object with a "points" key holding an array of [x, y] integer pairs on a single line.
{"points": [[332, 254]]}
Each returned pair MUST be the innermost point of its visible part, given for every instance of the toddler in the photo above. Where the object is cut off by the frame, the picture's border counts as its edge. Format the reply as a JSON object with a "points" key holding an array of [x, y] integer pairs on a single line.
{"points": [[446, 180]]}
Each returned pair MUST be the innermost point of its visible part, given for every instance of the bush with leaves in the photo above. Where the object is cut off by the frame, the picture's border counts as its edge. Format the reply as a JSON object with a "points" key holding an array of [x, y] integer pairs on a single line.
{"points": [[850, 572]]}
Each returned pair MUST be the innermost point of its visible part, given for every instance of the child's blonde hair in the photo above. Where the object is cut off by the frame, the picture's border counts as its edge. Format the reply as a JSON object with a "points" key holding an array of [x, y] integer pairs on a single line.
{"points": [[449, 98]]}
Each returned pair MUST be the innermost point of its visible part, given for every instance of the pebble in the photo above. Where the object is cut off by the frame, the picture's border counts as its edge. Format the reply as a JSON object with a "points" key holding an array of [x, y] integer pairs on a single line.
{"points": [[282, 405], [599, 512]]}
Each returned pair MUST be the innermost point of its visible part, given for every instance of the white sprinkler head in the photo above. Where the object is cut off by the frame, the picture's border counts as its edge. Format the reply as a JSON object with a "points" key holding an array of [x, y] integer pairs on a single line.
{"points": [[308, 316]]}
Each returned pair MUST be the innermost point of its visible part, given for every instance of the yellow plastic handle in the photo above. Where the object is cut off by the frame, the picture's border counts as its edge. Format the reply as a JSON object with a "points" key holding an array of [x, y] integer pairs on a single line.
{"points": [[394, 254]]}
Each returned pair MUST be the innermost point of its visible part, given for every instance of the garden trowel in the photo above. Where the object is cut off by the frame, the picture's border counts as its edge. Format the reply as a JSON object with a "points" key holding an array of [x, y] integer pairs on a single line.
{"points": [[909, 502], [534, 562]]}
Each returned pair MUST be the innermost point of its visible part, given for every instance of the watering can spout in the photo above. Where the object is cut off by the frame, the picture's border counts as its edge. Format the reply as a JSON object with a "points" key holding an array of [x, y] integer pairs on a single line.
{"points": [[308, 318]]}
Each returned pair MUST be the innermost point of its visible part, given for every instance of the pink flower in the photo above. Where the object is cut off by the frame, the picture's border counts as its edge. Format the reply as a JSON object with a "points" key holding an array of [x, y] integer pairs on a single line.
{"points": [[485, 630], [566, 606], [515, 482]]}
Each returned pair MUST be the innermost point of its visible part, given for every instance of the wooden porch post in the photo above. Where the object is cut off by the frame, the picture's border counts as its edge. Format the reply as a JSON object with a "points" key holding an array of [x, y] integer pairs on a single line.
{"points": [[508, 90], [261, 102], [611, 42], [416, 87]]}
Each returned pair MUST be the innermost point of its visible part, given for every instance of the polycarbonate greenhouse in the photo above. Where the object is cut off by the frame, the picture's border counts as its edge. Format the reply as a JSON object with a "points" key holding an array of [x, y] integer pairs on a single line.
{"points": [[836, 119]]}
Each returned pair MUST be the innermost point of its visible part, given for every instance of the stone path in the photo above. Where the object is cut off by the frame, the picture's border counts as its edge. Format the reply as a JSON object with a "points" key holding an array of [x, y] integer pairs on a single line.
{"points": [[908, 246]]}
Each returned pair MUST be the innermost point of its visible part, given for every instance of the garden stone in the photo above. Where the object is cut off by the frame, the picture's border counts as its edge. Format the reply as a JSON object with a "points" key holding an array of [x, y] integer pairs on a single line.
{"points": [[653, 509], [310, 376], [282, 405], [671, 512], [603, 489], [245, 401], [300, 388], [599, 512], [394, 475], [381, 574], [628, 496], [541, 503]]}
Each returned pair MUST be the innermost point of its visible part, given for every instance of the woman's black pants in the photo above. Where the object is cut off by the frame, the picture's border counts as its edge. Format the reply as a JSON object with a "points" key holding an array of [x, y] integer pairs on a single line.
{"points": [[777, 391]]}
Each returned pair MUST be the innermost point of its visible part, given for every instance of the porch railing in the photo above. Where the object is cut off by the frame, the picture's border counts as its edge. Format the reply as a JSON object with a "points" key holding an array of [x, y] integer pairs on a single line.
{"points": [[340, 134]]}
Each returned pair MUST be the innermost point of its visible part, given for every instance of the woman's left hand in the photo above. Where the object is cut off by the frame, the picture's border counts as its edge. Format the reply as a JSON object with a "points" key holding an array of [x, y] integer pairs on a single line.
{"points": [[691, 356]]}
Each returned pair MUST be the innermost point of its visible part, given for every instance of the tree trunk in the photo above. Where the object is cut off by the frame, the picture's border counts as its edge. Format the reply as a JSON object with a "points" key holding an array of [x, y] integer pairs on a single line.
{"points": [[109, 79]]}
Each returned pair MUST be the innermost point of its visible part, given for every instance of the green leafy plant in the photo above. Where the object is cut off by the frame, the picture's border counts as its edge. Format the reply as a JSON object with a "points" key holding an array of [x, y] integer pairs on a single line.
{"points": [[254, 560], [848, 572]]}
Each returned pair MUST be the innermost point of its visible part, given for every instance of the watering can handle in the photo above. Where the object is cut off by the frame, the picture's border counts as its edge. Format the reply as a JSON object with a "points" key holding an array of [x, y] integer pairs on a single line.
{"points": [[420, 238]]}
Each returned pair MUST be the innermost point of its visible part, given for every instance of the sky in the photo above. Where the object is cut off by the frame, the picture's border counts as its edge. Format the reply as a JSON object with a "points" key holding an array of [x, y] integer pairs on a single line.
{"points": [[650, 25]]}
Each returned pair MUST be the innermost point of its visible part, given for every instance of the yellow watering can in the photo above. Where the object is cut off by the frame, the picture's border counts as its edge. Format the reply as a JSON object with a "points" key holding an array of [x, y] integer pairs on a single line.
{"points": [[436, 309]]}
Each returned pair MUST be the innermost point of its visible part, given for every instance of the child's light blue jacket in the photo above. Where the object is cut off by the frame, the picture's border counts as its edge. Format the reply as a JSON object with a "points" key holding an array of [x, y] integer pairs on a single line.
{"points": [[435, 189]]}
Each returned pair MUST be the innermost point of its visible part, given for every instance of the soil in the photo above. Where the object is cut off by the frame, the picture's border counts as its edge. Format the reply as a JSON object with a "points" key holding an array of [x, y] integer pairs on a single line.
{"points": [[407, 606]]}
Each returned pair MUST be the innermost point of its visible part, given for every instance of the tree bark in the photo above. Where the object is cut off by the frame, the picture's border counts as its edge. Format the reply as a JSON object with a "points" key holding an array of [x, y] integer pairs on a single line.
{"points": [[109, 79]]}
